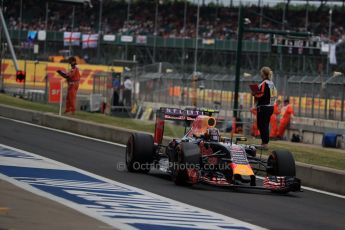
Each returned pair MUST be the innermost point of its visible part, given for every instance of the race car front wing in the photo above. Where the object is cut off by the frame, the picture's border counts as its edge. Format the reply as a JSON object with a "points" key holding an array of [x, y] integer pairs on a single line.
{"points": [[282, 183]]}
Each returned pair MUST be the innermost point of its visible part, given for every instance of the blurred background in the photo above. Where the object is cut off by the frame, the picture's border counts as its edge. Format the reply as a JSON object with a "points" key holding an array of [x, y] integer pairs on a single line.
{"points": [[180, 53]]}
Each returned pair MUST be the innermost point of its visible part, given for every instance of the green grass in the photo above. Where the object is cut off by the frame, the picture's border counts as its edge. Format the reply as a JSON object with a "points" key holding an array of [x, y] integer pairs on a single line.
{"points": [[147, 126], [332, 158], [315, 155], [17, 102], [128, 123]]}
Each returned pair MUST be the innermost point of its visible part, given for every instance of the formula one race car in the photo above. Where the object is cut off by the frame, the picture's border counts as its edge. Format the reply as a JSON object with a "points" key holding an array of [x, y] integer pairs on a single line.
{"points": [[203, 156]]}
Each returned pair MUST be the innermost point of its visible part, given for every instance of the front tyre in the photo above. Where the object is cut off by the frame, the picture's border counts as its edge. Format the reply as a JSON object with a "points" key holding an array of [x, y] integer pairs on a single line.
{"points": [[139, 152], [281, 163]]}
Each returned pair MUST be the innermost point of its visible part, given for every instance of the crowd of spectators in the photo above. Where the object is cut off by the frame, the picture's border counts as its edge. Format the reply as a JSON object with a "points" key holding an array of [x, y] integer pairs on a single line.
{"points": [[218, 22]]}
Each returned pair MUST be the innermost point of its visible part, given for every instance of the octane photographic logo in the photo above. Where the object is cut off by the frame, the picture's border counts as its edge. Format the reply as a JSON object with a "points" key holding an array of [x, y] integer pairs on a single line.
{"points": [[114, 203], [173, 166]]}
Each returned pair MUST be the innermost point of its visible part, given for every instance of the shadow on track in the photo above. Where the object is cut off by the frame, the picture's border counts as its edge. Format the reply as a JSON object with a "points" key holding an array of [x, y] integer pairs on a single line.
{"points": [[206, 187]]}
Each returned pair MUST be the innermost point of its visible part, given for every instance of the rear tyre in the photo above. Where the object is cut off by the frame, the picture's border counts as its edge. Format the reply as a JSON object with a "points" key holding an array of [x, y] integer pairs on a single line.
{"points": [[281, 163], [139, 152]]}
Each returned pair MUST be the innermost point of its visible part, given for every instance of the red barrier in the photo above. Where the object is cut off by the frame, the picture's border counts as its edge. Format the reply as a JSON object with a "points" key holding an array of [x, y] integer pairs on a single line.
{"points": [[54, 91]]}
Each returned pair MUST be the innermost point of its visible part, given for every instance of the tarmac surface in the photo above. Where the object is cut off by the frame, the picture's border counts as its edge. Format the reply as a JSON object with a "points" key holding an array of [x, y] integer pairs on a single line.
{"points": [[306, 210], [20, 209]]}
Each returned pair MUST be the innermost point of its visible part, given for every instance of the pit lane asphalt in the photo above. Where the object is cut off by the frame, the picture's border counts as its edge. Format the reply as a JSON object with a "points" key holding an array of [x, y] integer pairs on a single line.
{"points": [[306, 210]]}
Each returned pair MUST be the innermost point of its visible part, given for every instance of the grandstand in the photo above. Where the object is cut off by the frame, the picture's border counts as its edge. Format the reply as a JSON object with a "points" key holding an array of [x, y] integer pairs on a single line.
{"points": [[138, 18], [174, 21]]}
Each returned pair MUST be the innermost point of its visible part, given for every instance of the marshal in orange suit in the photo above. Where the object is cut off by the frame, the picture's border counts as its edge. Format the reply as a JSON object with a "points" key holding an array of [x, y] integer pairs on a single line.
{"points": [[287, 114], [274, 119], [254, 130], [73, 78]]}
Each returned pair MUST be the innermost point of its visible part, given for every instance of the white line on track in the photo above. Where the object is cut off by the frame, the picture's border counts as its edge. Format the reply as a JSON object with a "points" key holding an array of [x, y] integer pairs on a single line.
{"points": [[121, 145], [87, 211], [64, 132], [316, 190]]}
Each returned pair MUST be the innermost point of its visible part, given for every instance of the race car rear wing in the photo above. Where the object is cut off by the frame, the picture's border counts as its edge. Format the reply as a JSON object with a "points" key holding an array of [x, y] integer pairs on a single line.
{"points": [[188, 114], [184, 114]]}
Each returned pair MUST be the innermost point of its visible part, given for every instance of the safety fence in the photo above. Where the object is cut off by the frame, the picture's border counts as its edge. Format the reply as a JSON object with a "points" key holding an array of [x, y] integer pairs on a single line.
{"points": [[310, 96]]}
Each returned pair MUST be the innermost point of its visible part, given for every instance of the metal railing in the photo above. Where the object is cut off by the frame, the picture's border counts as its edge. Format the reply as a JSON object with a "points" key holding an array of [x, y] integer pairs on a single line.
{"points": [[310, 96]]}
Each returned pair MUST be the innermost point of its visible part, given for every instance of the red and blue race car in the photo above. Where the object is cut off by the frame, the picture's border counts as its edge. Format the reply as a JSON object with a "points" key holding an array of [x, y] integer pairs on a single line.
{"points": [[202, 155]]}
